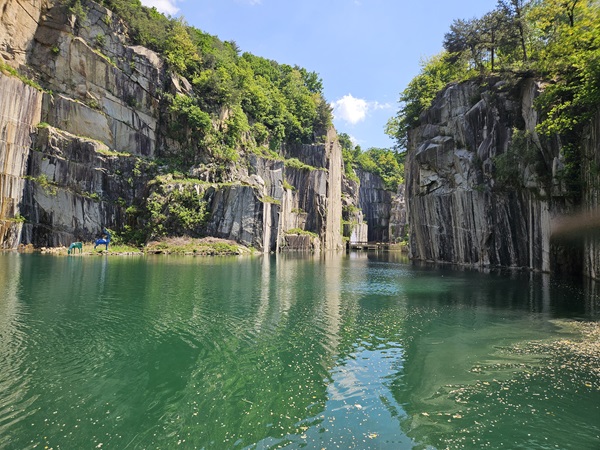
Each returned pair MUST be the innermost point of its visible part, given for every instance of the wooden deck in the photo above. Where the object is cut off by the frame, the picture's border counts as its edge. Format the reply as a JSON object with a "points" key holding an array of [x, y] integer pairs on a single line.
{"points": [[368, 245]]}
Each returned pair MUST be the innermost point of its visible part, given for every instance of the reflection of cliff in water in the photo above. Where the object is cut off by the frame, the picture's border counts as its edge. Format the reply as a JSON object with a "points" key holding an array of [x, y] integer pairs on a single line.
{"points": [[478, 355], [353, 351]]}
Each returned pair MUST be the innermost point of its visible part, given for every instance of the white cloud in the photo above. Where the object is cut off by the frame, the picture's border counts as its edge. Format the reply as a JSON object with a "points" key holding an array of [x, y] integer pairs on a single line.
{"points": [[164, 6], [355, 141], [354, 110], [350, 109]]}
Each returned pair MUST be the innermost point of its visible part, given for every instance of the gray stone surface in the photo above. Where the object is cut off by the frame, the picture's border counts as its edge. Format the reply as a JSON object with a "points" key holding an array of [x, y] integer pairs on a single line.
{"points": [[20, 111], [104, 118], [591, 195], [19, 21], [458, 211]]}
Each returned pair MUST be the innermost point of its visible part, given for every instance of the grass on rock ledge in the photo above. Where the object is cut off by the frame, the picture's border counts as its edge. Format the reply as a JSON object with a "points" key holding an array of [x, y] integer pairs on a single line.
{"points": [[208, 246], [190, 246]]}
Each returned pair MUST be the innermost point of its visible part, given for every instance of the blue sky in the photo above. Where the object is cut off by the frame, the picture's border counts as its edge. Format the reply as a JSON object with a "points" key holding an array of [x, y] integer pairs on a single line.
{"points": [[366, 51]]}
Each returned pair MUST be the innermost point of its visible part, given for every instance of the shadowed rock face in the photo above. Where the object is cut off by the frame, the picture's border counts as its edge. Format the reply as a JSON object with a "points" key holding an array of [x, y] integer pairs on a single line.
{"points": [[104, 125], [20, 111], [459, 209], [376, 203], [591, 196]]}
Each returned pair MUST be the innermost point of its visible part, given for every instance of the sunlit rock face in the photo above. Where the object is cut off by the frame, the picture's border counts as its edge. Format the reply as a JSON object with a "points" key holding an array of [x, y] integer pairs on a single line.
{"points": [[104, 123], [20, 111], [19, 20], [463, 206]]}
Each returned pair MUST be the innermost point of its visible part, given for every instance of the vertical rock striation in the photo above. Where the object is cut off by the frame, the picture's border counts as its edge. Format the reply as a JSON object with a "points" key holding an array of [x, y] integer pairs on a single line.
{"points": [[461, 210], [20, 111], [104, 123], [375, 201], [398, 224], [591, 195]]}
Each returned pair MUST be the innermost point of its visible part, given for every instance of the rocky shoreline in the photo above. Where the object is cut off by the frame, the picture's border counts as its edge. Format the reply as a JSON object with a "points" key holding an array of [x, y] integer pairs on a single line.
{"points": [[208, 246]]}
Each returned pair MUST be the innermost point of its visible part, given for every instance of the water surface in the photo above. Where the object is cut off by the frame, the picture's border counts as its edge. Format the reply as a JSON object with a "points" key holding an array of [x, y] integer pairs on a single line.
{"points": [[335, 351]]}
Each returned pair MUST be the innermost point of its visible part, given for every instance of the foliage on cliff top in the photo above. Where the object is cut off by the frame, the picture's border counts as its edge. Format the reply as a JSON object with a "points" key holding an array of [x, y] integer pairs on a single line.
{"points": [[386, 163], [265, 103], [436, 73], [555, 40]]}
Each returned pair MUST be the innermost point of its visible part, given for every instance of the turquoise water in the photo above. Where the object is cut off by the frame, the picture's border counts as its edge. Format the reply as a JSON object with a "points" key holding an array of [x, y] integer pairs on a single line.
{"points": [[335, 351]]}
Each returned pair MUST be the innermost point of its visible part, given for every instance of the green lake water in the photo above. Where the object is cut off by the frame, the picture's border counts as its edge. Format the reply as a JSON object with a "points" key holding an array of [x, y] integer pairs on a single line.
{"points": [[359, 351]]}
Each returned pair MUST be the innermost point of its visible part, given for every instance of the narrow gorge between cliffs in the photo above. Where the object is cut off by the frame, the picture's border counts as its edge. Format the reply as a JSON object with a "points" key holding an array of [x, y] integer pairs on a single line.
{"points": [[264, 281]]}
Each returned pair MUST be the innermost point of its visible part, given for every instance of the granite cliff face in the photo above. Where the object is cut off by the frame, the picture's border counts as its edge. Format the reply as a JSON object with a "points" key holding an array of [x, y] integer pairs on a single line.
{"points": [[18, 23], [20, 111], [483, 187], [384, 211], [103, 126], [591, 195]]}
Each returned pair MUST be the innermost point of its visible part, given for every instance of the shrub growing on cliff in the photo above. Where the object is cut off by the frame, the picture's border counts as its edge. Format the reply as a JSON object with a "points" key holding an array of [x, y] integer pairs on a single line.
{"points": [[521, 154], [557, 41], [8, 70], [436, 73], [191, 114], [286, 102], [349, 154], [295, 163], [176, 210], [76, 8]]}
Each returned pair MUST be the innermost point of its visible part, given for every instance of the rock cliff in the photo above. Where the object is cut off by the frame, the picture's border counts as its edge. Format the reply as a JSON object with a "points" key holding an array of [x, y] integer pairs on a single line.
{"points": [[591, 195], [82, 150], [483, 187], [384, 210], [18, 23], [20, 111]]}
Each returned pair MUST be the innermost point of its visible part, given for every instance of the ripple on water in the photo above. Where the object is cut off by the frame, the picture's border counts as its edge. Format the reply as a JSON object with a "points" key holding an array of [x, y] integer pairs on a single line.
{"points": [[17, 403], [239, 358]]}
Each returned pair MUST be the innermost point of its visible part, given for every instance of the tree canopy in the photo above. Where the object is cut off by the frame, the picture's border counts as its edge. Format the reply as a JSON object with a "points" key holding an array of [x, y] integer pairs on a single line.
{"points": [[558, 41], [265, 103], [386, 163]]}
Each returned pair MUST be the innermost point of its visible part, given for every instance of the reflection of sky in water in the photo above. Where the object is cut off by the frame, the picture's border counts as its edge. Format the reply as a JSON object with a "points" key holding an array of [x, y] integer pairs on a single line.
{"points": [[309, 352], [360, 411]]}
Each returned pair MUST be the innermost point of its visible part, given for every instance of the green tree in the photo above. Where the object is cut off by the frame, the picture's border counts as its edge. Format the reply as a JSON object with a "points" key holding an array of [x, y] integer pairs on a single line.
{"points": [[389, 165], [349, 154], [464, 40], [249, 99], [556, 41], [515, 11], [570, 58], [311, 80], [179, 50], [436, 73]]}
